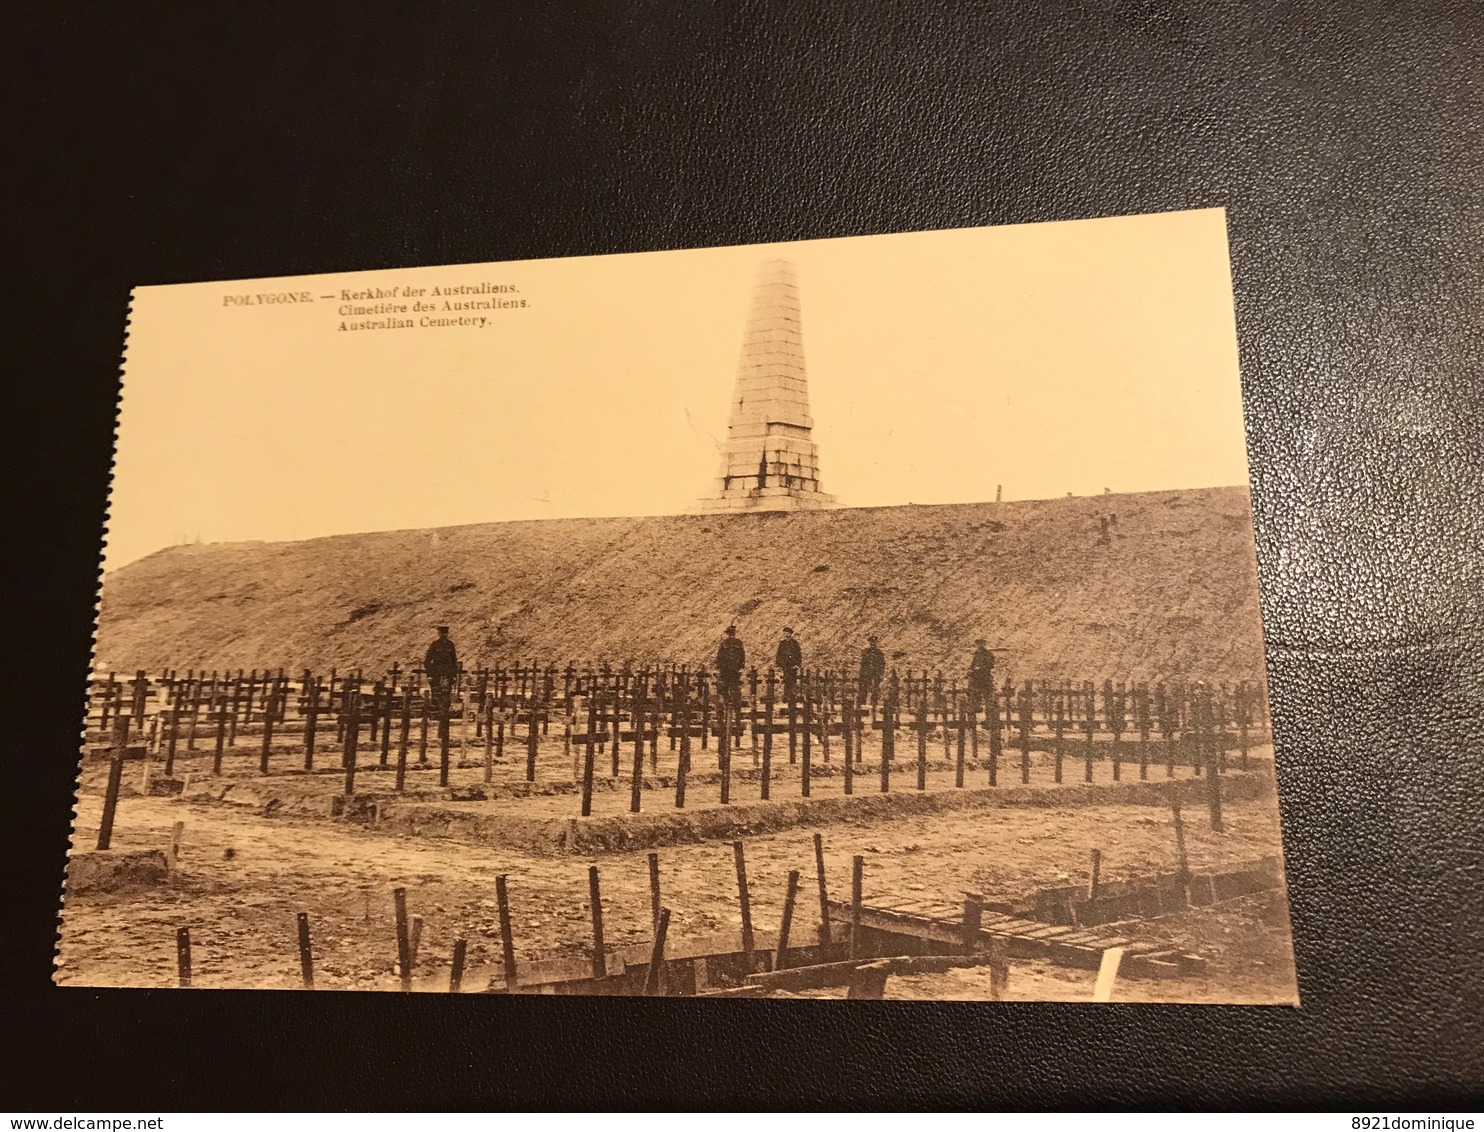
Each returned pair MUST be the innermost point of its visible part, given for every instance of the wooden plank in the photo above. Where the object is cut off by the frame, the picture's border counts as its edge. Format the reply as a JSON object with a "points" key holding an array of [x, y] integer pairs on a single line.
{"points": [[1048, 931], [1014, 926], [544, 971], [1142, 966], [1154, 951], [989, 916], [1102, 991], [813, 977], [1083, 937], [842, 973], [1103, 942], [734, 992], [927, 909], [875, 919]]}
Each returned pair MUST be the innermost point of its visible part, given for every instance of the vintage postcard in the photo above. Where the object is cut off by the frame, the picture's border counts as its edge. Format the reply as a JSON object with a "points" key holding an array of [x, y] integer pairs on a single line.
{"points": [[855, 618]]}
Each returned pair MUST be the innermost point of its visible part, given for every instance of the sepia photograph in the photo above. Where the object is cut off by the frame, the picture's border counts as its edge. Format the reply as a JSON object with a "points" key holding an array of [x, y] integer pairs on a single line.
{"points": [[866, 618]]}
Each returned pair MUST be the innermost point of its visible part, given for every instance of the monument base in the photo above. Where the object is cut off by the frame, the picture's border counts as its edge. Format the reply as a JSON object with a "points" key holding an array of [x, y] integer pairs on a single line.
{"points": [[770, 499]]}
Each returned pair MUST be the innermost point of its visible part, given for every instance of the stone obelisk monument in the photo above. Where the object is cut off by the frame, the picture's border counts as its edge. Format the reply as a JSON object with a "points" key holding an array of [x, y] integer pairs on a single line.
{"points": [[770, 462]]}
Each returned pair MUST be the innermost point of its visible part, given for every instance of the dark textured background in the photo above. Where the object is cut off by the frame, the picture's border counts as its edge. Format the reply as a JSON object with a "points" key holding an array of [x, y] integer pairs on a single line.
{"points": [[160, 143]]}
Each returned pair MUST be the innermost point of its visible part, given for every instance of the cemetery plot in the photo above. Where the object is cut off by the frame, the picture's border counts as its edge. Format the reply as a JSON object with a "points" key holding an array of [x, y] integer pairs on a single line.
{"points": [[335, 779]]}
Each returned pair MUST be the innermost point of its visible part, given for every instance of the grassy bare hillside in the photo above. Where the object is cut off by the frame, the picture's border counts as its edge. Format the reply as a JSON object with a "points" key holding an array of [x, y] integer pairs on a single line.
{"points": [[1172, 593]]}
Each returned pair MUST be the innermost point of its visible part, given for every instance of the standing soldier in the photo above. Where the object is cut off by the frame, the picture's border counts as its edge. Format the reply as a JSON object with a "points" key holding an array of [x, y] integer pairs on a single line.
{"points": [[731, 658], [873, 668], [789, 658], [981, 677], [442, 666]]}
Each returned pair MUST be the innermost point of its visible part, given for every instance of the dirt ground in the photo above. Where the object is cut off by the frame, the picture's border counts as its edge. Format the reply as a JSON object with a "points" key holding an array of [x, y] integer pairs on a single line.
{"points": [[558, 769], [1171, 589], [242, 878]]}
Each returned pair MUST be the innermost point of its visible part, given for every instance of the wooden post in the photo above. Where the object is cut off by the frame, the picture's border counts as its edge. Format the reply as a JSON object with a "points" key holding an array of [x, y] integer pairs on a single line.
{"points": [[654, 886], [176, 832], [456, 969], [595, 900], [1141, 720], [404, 940], [991, 721], [569, 720], [1097, 864], [422, 729], [414, 941], [705, 708], [857, 877], [804, 755], [306, 952], [1166, 727], [657, 953], [352, 734], [252, 687], [780, 958], [195, 712], [959, 722], [724, 748], [443, 752], [636, 784], [402, 743], [791, 692], [827, 713], [311, 717], [973, 918], [922, 727], [383, 713], [617, 728], [590, 754], [1026, 708], [745, 905], [1059, 721], [851, 715], [682, 759], [940, 704], [888, 745], [111, 794], [1090, 723], [507, 940], [657, 713], [404, 736], [183, 955], [221, 739], [752, 682], [499, 708], [824, 895], [533, 738], [174, 720], [236, 706], [489, 736]]}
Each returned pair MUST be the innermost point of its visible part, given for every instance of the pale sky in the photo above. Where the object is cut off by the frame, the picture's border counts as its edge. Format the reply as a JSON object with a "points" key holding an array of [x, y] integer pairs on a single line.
{"points": [[1047, 358]]}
